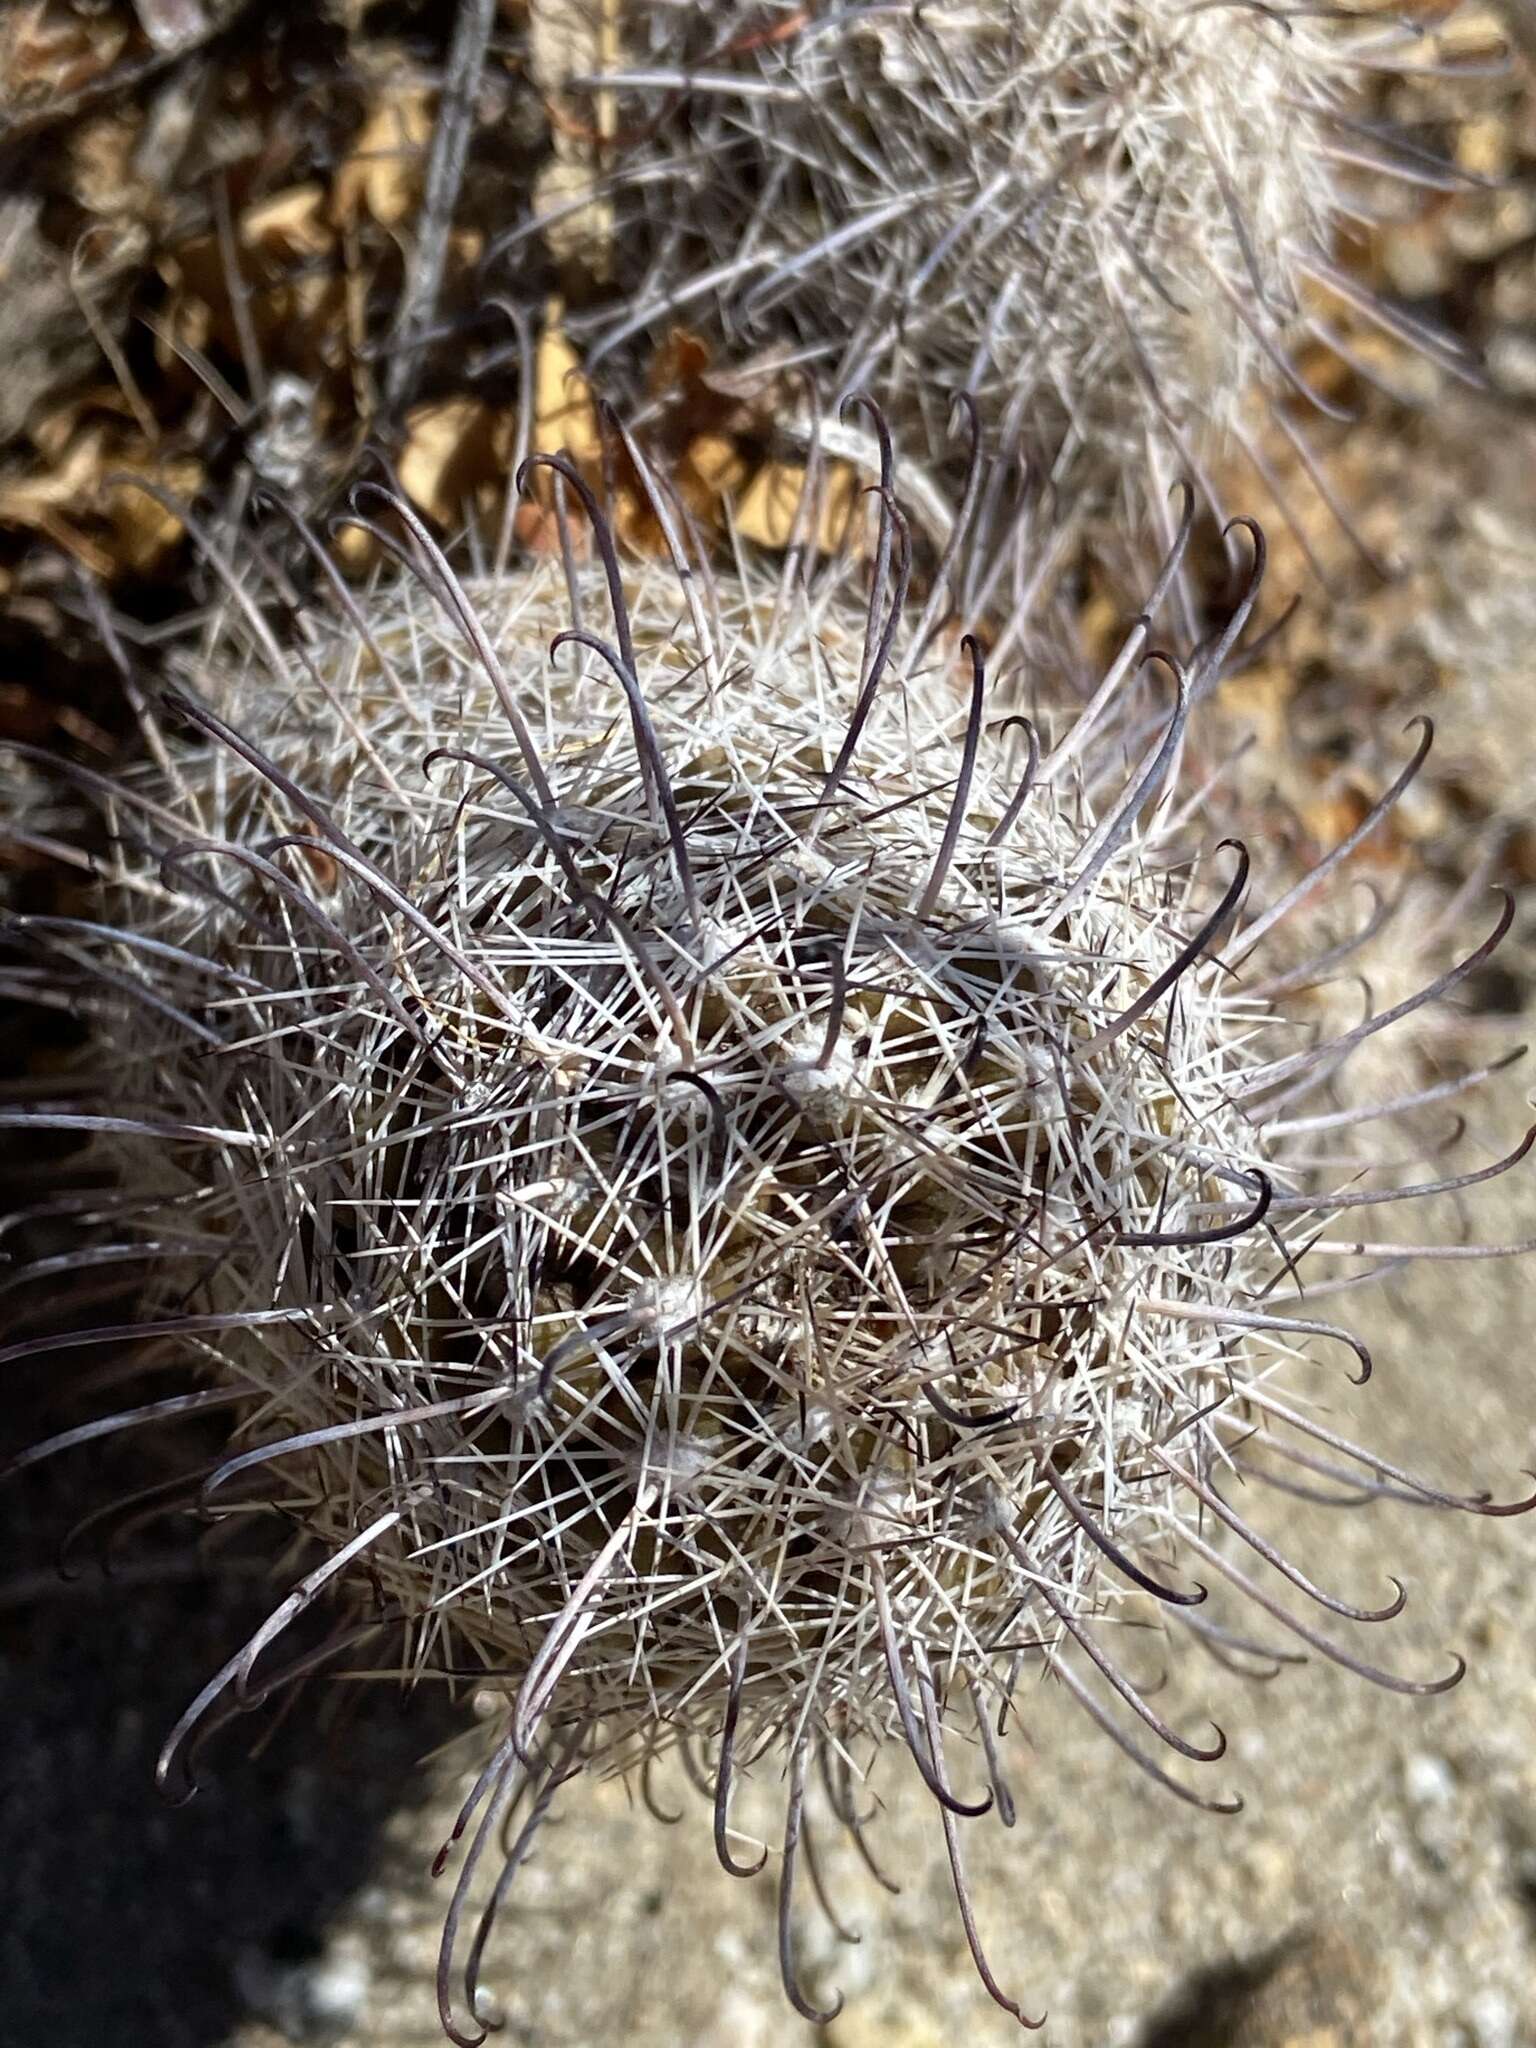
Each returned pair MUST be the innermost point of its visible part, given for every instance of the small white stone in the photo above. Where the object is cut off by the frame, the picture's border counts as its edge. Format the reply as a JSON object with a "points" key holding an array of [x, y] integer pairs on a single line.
{"points": [[310, 2000], [337, 1989], [1428, 1780], [1493, 2019], [1249, 1745]]}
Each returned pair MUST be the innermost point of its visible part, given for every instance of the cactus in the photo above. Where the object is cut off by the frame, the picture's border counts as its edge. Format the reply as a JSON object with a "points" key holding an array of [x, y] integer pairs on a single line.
{"points": [[730, 1191]]}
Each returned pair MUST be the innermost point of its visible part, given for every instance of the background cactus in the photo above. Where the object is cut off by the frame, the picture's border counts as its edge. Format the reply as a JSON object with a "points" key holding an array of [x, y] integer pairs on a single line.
{"points": [[1115, 226]]}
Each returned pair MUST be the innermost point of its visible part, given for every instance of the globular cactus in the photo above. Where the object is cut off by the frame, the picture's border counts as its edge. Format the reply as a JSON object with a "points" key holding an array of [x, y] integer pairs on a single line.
{"points": [[729, 1190], [1101, 218]]}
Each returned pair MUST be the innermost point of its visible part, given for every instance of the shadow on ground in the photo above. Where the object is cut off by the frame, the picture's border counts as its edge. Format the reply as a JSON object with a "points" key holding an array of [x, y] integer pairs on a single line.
{"points": [[127, 1921]]}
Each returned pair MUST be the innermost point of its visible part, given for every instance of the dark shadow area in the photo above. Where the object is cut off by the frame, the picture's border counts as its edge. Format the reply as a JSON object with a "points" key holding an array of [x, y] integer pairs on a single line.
{"points": [[126, 1921], [1520, 1851], [1318, 1984], [1208, 2008]]}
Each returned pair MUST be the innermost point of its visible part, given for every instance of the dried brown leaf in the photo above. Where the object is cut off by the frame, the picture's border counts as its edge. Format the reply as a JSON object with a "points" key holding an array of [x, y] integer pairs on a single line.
{"points": [[47, 51], [289, 226], [766, 510], [564, 415], [143, 532], [452, 447], [380, 178]]}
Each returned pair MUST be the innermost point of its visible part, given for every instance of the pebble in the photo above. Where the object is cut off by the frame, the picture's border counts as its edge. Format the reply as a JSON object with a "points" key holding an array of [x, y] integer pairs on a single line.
{"points": [[315, 1999], [1428, 1780]]}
